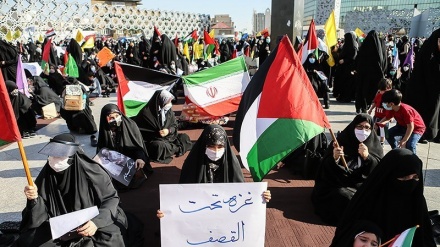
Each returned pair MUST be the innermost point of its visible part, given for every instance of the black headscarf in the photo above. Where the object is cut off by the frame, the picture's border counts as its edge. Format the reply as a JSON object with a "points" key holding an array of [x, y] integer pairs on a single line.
{"points": [[149, 120], [357, 228], [168, 51], [392, 204], [196, 166], [424, 81], [9, 54], [128, 139], [350, 48]]}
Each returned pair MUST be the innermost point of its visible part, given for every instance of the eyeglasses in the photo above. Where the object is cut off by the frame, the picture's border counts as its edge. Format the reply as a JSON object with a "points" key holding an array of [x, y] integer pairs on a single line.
{"points": [[361, 127]]}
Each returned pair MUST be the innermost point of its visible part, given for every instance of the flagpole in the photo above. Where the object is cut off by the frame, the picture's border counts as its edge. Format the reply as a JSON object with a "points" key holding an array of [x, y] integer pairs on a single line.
{"points": [[337, 145], [25, 163], [389, 241]]}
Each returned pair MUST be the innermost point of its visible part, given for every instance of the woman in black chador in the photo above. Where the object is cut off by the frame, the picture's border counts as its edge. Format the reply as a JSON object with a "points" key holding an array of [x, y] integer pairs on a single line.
{"points": [[423, 90], [158, 126], [8, 60], [211, 160], [313, 66], [392, 197], [71, 181], [42, 94], [344, 85], [119, 133], [371, 67], [334, 184], [24, 114]]}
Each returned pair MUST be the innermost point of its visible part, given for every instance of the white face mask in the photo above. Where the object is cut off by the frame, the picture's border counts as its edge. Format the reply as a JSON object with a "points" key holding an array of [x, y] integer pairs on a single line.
{"points": [[167, 106], [405, 68], [58, 164], [362, 135], [311, 60], [214, 155], [115, 122]]}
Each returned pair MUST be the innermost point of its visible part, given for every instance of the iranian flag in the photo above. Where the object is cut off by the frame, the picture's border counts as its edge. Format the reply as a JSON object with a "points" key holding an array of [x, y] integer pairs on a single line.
{"points": [[405, 238], [279, 112], [8, 129], [310, 44], [137, 85], [218, 90]]}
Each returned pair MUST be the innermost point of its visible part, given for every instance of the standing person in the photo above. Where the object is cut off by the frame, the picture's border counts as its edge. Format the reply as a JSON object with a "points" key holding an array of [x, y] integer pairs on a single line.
{"points": [[121, 134], [371, 67], [132, 55], [379, 111], [32, 50], [423, 90], [144, 51], [264, 50], [8, 60], [392, 197], [158, 126], [334, 184], [409, 126], [344, 86], [225, 54], [71, 181], [23, 112]]}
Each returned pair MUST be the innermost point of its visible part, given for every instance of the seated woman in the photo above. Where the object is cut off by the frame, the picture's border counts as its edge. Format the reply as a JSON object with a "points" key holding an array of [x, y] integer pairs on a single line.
{"points": [[314, 69], [71, 181], [158, 126], [24, 114], [212, 160], [335, 185], [119, 133], [361, 233], [392, 197], [42, 94]]}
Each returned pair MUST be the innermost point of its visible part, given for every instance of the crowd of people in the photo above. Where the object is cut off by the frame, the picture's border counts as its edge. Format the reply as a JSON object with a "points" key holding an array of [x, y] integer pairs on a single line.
{"points": [[357, 188]]}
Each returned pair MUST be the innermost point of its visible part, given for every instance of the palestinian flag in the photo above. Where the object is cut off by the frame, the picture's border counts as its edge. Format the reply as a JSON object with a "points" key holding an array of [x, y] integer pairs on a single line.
{"points": [[218, 90], [137, 85], [279, 111], [8, 129], [311, 43], [192, 37], [46, 56], [405, 238]]}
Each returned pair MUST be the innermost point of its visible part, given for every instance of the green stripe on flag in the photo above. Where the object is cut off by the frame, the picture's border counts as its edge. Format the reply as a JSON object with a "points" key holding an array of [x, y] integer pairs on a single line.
{"points": [[3, 143], [278, 140], [133, 107], [409, 237], [224, 70]]}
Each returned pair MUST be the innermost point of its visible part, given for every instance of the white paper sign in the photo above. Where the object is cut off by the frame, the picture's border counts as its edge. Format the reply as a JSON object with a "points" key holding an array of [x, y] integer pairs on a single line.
{"points": [[220, 214], [34, 68], [62, 224]]}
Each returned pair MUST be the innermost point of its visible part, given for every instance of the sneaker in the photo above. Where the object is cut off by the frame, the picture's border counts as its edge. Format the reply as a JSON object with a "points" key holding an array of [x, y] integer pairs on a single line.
{"points": [[32, 133], [25, 135], [423, 141]]}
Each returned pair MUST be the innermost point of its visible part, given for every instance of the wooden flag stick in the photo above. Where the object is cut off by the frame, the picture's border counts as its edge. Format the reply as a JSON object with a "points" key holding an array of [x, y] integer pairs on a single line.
{"points": [[25, 163], [389, 241], [337, 145]]}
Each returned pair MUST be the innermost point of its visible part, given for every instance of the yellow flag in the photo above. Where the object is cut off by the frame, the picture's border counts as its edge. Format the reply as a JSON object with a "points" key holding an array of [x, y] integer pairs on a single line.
{"points": [[198, 50], [41, 38], [330, 37], [79, 36], [17, 34], [186, 51], [9, 36], [359, 32], [90, 43], [211, 34]]}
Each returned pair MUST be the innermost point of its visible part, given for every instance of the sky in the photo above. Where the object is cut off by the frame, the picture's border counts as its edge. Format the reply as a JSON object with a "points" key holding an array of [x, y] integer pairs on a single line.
{"points": [[239, 10]]}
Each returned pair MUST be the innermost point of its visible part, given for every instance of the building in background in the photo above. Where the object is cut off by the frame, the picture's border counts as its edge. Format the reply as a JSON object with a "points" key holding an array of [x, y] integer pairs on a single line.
{"points": [[261, 21], [381, 15], [120, 3], [222, 25]]}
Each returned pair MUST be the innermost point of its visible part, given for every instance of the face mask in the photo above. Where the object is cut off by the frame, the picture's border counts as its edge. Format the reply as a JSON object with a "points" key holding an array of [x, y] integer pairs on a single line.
{"points": [[115, 122], [384, 105], [362, 135], [14, 92], [405, 68], [312, 60], [267, 40], [392, 72], [214, 155], [58, 164], [173, 66], [403, 188], [167, 106], [93, 69], [52, 70]]}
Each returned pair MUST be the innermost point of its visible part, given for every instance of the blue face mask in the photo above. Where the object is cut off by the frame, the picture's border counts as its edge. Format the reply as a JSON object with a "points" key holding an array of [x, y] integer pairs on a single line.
{"points": [[384, 105], [311, 60], [392, 72]]}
